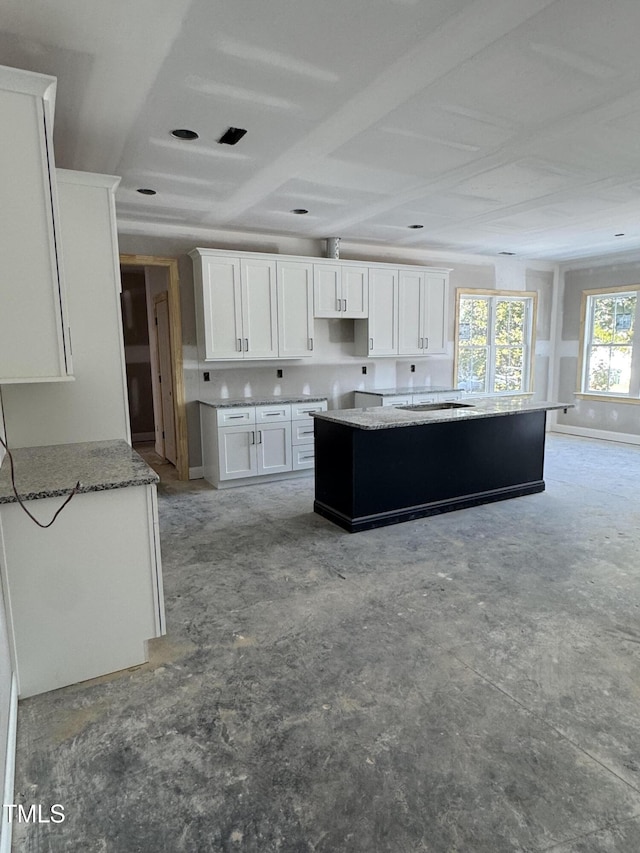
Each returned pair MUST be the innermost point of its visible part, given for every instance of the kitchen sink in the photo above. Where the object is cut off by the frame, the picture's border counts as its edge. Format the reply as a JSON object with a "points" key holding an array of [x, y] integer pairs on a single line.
{"points": [[435, 407]]}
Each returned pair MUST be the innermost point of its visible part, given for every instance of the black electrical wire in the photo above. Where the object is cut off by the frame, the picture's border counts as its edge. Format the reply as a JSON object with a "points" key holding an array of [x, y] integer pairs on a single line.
{"points": [[73, 492]]}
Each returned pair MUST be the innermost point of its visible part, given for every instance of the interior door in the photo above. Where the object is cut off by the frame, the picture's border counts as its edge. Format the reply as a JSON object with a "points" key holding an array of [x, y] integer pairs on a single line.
{"points": [[163, 341]]}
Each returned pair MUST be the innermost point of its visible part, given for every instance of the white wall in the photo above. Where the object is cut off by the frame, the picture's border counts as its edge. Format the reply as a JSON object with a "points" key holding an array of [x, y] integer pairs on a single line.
{"points": [[591, 417]]}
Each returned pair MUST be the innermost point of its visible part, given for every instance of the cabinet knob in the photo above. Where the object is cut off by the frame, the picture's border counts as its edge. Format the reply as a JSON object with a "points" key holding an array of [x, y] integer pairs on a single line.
{"points": [[239, 344], [370, 343], [344, 302], [426, 343], [246, 344], [339, 305], [311, 344]]}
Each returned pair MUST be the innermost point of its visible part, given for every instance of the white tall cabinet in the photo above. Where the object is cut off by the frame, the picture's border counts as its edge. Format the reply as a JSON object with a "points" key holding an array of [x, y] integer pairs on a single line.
{"points": [[93, 407], [35, 344]]}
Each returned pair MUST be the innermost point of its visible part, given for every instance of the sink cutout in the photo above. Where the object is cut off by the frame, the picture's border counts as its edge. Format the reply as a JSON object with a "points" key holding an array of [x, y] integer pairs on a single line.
{"points": [[434, 407]]}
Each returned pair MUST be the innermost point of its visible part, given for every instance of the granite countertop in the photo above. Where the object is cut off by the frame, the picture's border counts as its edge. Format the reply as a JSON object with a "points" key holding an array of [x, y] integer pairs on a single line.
{"points": [[415, 389], [378, 417], [52, 471], [263, 401]]}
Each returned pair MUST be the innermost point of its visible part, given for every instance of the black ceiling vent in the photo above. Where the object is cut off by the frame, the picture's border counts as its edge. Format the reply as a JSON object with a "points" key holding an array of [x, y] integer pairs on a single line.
{"points": [[232, 136], [184, 133]]}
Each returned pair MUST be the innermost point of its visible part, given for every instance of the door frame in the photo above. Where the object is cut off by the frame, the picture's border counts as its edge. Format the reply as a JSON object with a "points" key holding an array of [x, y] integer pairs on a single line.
{"points": [[175, 348], [162, 386]]}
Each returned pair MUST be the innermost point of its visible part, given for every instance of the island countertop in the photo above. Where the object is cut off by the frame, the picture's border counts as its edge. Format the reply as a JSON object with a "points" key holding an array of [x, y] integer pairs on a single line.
{"points": [[52, 471], [378, 417]]}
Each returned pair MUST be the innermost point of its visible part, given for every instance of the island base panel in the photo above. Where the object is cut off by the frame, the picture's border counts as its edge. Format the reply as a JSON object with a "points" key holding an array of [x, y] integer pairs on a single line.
{"points": [[371, 478]]}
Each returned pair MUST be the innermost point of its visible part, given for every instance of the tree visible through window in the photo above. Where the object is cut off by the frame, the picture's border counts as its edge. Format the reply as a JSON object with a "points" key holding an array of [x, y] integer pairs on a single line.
{"points": [[494, 342], [608, 362]]}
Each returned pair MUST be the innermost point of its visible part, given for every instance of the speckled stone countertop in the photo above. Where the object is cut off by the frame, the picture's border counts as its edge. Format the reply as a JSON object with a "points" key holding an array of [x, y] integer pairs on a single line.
{"points": [[416, 389], [379, 417], [48, 472], [263, 401]]}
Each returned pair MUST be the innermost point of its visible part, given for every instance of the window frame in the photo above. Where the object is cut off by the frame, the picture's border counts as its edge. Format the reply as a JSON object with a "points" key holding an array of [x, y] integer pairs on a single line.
{"points": [[585, 342], [530, 297]]}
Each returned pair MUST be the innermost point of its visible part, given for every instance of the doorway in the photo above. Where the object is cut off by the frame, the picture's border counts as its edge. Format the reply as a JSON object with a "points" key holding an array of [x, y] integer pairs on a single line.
{"points": [[153, 355]]}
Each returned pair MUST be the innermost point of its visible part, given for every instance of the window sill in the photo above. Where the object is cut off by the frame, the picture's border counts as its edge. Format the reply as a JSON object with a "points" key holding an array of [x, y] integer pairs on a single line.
{"points": [[607, 398]]}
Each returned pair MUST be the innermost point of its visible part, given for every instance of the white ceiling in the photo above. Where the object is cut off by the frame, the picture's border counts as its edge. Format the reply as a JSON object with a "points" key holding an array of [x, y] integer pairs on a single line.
{"points": [[499, 125]]}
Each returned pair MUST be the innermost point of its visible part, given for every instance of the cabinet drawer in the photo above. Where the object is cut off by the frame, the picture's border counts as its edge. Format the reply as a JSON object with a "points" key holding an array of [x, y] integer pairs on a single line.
{"points": [[273, 413], [424, 398], [233, 416], [396, 401], [303, 456], [303, 410], [302, 431]]}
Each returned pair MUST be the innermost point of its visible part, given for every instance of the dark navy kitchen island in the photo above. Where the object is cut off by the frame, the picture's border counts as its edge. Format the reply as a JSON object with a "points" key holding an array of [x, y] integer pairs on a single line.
{"points": [[380, 466]]}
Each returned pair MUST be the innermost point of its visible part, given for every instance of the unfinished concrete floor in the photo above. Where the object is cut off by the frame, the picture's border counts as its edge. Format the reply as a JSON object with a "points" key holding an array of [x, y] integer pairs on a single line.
{"points": [[466, 683]]}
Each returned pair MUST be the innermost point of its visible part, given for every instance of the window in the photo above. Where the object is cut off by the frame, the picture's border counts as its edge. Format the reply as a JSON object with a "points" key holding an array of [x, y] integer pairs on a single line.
{"points": [[610, 366], [494, 341]]}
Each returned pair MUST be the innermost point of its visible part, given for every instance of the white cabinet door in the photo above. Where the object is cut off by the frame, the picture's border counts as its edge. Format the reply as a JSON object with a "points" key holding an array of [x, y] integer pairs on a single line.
{"points": [[355, 292], [383, 312], [223, 337], [34, 329], [273, 447], [295, 309], [259, 308], [237, 452], [410, 313], [327, 290], [435, 314], [340, 290]]}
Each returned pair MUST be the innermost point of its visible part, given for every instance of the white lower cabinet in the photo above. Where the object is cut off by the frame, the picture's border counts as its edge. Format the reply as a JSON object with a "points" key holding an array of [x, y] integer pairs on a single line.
{"points": [[240, 443], [85, 595], [370, 398]]}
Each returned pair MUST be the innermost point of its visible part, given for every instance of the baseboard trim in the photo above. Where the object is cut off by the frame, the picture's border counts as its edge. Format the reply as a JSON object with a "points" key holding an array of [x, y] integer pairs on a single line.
{"points": [[9, 769], [602, 434], [396, 516], [196, 473]]}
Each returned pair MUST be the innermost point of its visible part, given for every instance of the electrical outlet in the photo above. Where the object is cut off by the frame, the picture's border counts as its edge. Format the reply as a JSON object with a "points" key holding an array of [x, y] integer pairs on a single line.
{"points": [[207, 376], [279, 374], [413, 368], [364, 368]]}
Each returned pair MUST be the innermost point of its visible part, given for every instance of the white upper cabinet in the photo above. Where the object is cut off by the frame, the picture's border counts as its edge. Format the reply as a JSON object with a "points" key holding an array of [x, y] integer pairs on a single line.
{"points": [[435, 317], [34, 332], [259, 306], [253, 308], [379, 334], [340, 290], [295, 309], [222, 307], [421, 311], [410, 312], [407, 313]]}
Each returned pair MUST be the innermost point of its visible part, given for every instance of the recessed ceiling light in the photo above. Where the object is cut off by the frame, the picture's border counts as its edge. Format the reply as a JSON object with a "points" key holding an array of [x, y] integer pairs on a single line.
{"points": [[184, 133], [506, 253], [619, 235], [146, 191], [299, 210], [415, 226], [232, 136]]}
